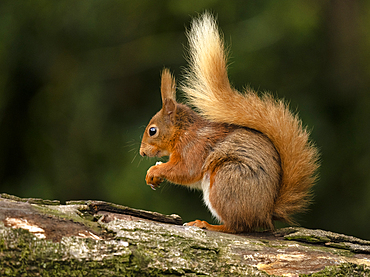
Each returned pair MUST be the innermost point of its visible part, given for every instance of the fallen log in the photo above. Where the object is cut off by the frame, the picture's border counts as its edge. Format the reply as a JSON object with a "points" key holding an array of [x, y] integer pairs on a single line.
{"points": [[95, 238]]}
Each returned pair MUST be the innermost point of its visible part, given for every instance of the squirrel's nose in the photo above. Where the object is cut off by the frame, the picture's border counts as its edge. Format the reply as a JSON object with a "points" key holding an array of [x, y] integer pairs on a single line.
{"points": [[142, 153]]}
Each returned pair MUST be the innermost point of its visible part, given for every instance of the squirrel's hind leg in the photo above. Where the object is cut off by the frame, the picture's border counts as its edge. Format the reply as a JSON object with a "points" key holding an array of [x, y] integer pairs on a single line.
{"points": [[207, 183], [241, 182], [241, 200]]}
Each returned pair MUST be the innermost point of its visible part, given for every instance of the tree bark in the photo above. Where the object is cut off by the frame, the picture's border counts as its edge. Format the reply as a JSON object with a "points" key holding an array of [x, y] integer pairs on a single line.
{"points": [[94, 238]]}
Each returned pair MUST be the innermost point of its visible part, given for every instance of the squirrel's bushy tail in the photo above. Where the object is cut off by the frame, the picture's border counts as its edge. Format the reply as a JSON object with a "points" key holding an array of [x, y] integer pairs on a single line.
{"points": [[208, 89]]}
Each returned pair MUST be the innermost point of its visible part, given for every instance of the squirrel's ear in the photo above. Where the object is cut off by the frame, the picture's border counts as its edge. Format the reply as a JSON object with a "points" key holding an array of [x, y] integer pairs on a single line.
{"points": [[168, 86], [168, 92]]}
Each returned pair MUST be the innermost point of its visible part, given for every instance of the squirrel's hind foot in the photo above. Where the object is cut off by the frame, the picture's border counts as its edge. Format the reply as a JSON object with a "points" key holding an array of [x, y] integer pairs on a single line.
{"points": [[205, 225]]}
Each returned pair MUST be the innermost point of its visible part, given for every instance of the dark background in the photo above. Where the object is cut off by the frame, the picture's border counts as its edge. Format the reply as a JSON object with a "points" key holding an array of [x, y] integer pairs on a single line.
{"points": [[79, 80]]}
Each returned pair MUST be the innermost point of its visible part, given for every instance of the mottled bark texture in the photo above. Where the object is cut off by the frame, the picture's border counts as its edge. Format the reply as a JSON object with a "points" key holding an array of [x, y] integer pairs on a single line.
{"points": [[94, 238]]}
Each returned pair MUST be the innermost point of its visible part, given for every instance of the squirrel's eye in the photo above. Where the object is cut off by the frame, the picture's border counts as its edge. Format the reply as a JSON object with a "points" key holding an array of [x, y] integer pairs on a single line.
{"points": [[152, 131]]}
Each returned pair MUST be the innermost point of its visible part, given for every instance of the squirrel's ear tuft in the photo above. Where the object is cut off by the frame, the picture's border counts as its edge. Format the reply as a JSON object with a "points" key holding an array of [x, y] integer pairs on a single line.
{"points": [[168, 92], [168, 86]]}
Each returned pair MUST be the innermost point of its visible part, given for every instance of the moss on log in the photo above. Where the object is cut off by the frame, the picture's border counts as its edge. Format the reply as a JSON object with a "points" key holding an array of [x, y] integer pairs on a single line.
{"points": [[94, 238]]}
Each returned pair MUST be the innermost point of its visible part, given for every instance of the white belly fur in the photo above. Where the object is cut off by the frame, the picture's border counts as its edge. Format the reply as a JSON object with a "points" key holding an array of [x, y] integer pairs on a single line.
{"points": [[206, 187]]}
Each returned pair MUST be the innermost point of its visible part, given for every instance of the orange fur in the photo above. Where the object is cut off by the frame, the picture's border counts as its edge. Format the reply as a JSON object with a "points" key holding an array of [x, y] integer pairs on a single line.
{"points": [[250, 155]]}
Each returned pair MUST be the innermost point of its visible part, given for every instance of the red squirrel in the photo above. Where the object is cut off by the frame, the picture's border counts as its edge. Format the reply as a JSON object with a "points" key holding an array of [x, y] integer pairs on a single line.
{"points": [[249, 154]]}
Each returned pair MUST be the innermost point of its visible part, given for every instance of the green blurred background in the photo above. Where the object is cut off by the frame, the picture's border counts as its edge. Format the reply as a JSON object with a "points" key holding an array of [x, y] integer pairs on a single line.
{"points": [[79, 81]]}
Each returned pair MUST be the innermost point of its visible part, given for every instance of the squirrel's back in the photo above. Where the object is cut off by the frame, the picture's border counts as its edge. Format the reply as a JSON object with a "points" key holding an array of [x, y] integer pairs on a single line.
{"points": [[208, 89]]}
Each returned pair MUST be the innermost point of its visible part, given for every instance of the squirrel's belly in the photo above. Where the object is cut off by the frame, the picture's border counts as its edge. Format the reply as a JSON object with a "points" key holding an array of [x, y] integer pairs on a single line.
{"points": [[206, 190]]}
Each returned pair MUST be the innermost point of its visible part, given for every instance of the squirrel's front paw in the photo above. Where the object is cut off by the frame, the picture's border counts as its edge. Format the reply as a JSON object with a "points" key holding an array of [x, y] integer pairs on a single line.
{"points": [[153, 177]]}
